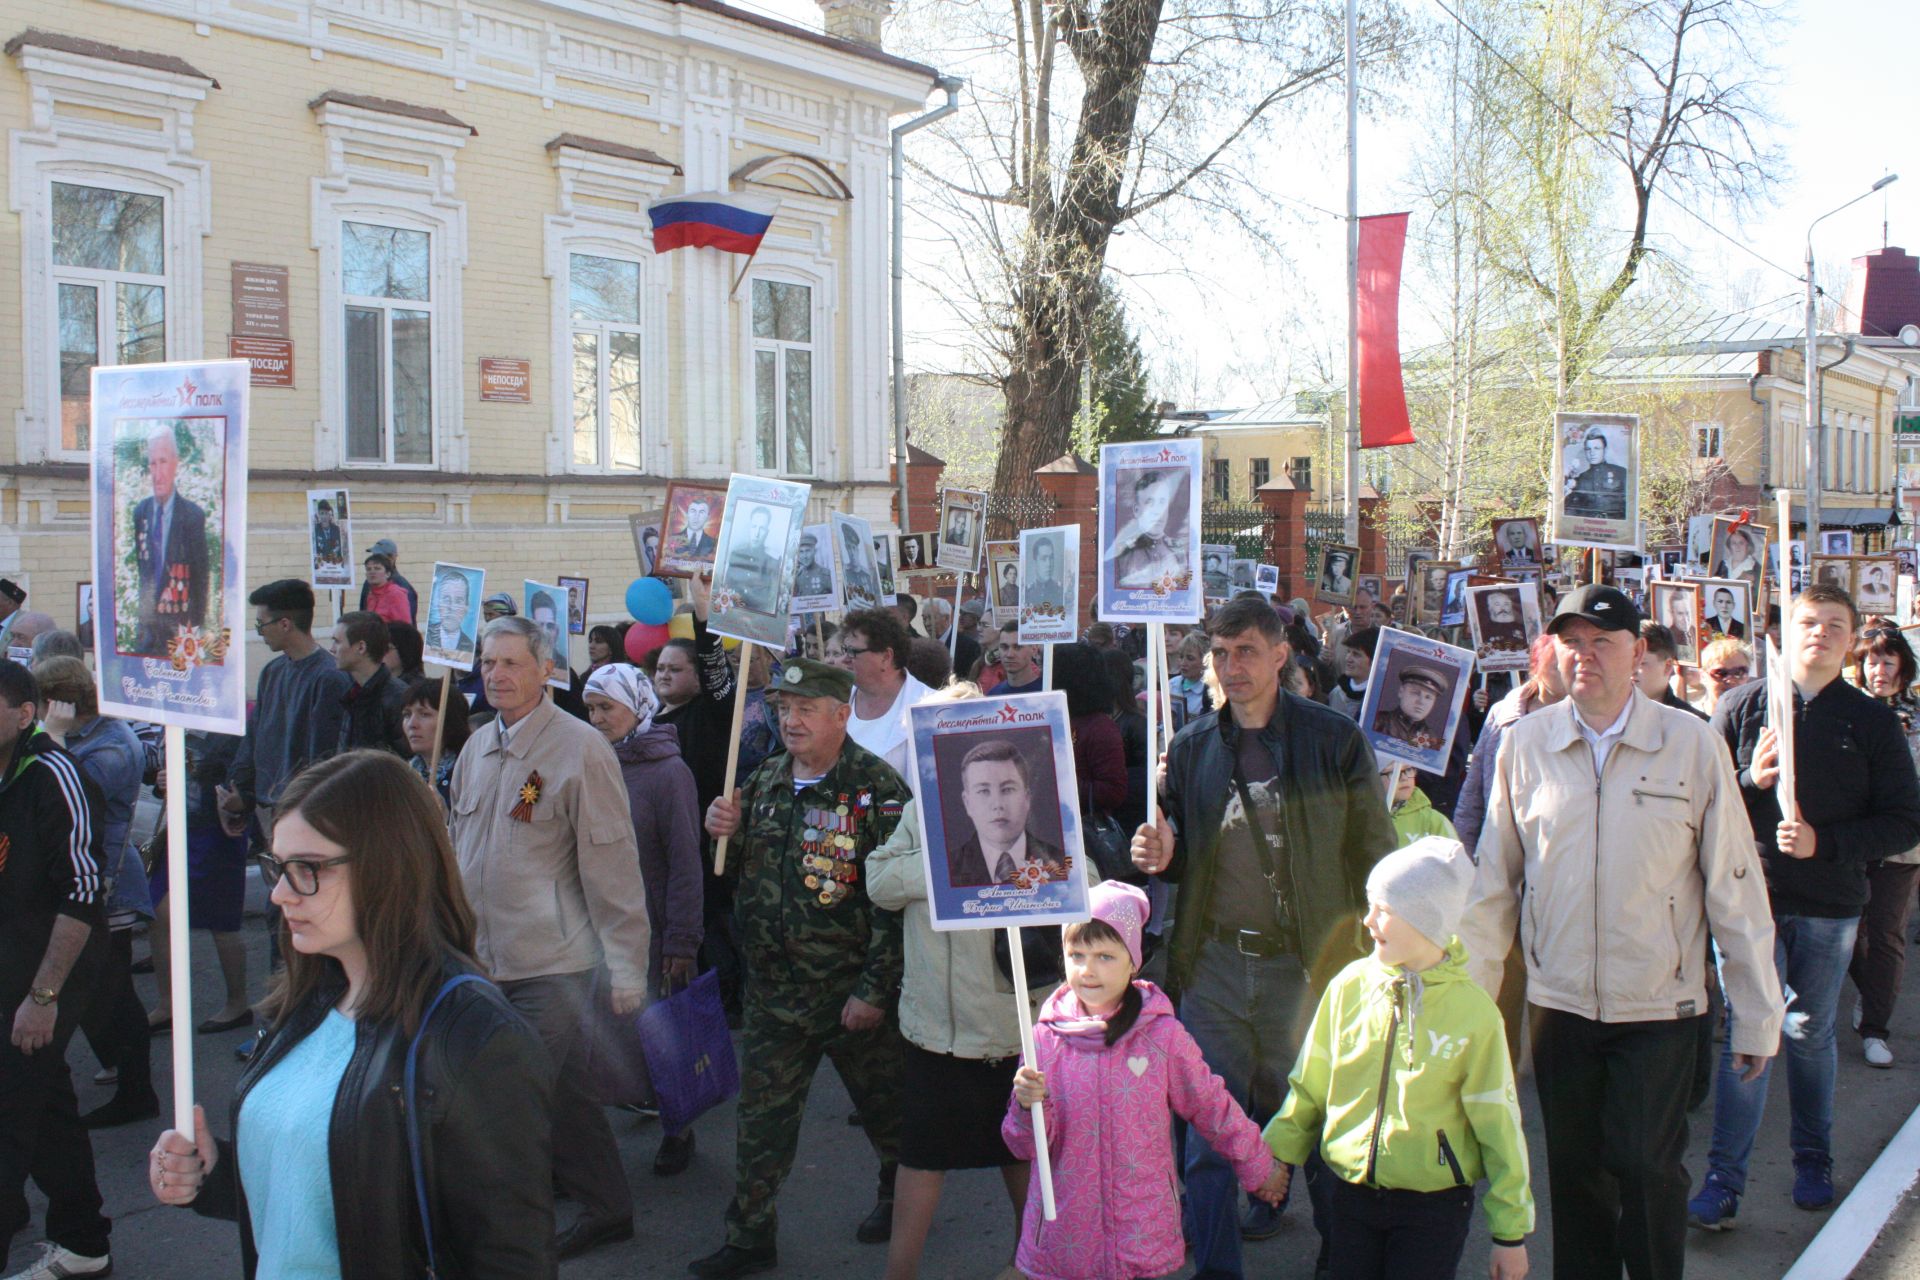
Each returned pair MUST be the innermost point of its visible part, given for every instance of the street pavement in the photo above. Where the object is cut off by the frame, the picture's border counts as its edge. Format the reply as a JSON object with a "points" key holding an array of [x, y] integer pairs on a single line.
{"points": [[832, 1185]]}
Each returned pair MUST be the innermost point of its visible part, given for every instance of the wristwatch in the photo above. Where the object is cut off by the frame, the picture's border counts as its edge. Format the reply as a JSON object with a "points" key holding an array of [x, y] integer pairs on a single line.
{"points": [[43, 996]]}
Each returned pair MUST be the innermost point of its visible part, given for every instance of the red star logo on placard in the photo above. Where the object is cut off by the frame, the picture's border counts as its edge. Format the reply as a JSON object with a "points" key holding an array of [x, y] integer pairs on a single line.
{"points": [[1007, 712], [187, 391]]}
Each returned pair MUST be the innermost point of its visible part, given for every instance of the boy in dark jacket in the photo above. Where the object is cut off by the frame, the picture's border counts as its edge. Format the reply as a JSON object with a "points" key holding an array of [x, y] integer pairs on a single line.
{"points": [[1857, 801]]}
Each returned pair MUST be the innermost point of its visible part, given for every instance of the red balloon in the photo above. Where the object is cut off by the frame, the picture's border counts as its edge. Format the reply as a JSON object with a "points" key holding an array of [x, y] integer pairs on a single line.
{"points": [[643, 638]]}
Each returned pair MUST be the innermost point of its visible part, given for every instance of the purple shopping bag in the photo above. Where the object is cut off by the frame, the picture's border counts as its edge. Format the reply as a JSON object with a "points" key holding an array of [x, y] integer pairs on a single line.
{"points": [[689, 1053]]}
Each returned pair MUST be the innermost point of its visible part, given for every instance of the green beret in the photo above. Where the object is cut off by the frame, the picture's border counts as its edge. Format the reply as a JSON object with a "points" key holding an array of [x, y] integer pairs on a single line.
{"points": [[806, 678]]}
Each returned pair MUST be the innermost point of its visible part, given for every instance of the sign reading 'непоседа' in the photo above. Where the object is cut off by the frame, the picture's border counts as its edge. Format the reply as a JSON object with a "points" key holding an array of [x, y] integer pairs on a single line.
{"points": [[507, 379], [270, 359]]}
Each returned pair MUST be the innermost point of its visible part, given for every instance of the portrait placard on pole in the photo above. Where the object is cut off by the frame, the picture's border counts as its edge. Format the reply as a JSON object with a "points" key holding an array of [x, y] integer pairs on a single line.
{"points": [[962, 532], [1503, 620], [1596, 457], [1150, 532], [330, 530], [1415, 693], [451, 637], [546, 608], [853, 550], [1049, 584], [169, 445], [816, 587], [759, 538]]}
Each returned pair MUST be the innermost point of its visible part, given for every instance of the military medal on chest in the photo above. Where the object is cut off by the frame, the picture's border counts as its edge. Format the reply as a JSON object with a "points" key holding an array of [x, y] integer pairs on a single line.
{"points": [[827, 853]]}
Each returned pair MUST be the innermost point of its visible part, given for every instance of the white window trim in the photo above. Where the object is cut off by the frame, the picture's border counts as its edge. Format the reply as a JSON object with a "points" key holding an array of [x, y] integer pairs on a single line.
{"points": [[798, 250], [817, 348], [65, 145], [360, 187], [597, 228]]}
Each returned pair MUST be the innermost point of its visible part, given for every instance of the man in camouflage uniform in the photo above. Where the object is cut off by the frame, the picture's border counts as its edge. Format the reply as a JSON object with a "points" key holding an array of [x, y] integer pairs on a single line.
{"points": [[822, 962]]}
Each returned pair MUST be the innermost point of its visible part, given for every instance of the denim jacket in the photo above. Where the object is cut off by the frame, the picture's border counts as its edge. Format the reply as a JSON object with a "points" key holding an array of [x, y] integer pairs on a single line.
{"points": [[109, 754]]}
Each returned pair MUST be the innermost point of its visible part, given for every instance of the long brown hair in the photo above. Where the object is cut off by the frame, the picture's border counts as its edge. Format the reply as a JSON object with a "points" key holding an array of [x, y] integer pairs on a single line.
{"points": [[409, 907]]}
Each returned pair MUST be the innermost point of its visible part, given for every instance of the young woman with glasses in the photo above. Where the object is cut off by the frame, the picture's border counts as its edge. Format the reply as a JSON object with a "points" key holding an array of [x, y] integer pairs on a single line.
{"points": [[318, 1171]]}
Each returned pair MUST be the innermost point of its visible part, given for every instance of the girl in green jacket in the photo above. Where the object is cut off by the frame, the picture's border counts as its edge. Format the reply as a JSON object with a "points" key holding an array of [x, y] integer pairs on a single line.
{"points": [[1404, 1086]]}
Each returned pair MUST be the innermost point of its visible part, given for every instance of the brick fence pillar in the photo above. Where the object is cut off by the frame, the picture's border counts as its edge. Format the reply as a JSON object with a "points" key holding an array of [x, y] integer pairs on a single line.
{"points": [[1074, 485], [1287, 532], [1373, 534], [924, 474]]}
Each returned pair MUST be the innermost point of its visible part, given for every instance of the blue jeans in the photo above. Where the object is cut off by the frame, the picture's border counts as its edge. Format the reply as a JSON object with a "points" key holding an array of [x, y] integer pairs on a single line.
{"points": [[1248, 1014], [1811, 954]]}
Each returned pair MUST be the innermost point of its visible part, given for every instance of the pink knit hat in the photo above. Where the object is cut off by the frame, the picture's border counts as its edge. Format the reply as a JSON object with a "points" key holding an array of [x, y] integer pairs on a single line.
{"points": [[1124, 908]]}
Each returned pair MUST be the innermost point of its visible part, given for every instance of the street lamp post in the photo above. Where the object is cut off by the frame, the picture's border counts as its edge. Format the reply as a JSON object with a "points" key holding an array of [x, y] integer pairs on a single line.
{"points": [[1814, 443]]}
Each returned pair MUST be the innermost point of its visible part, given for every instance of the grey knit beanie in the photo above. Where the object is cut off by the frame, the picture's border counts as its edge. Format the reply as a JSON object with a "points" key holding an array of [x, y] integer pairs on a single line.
{"points": [[1426, 885]]}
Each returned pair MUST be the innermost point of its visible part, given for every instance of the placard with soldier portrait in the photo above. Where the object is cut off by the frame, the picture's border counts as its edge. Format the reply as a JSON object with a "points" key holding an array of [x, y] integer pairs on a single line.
{"points": [[1266, 580], [1335, 581], [1050, 584], [1216, 571], [1429, 590], [916, 553], [1003, 579], [1596, 457], [816, 587], [885, 553], [645, 528], [1414, 697], [999, 811], [853, 548], [1150, 532], [330, 538], [1834, 571], [1504, 620], [169, 480], [451, 635], [1727, 607], [1876, 584], [1675, 605], [546, 608], [1415, 558], [760, 529], [1241, 574], [1453, 600], [576, 589], [1836, 542], [963, 530], [691, 538], [1516, 542], [1369, 589], [1739, 550]]}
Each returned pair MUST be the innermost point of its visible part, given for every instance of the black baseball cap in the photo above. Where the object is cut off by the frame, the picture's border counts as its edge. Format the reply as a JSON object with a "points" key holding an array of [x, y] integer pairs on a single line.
{"points": [[1605, 607]]}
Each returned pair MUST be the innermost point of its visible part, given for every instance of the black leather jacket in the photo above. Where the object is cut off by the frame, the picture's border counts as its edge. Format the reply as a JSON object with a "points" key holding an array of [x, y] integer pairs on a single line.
{"points": [[1334, 819], [484, 1090]]}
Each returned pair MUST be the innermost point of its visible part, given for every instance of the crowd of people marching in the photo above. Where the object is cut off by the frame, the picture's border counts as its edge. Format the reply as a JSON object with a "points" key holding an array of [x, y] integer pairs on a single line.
{"points": [[1306, 980]]}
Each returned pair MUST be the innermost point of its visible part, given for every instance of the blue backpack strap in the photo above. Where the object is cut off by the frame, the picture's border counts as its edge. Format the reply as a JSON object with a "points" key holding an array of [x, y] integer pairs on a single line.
{"points": [[413, 1114]]}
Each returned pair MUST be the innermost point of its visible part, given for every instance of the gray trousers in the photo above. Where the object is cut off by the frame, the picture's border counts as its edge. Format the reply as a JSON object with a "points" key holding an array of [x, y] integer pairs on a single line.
{"points": [[586, 1162]]}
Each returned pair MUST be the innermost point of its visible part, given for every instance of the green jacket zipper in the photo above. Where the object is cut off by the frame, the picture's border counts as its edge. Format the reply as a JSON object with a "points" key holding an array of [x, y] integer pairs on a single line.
{"points": [[1386, 1075]]}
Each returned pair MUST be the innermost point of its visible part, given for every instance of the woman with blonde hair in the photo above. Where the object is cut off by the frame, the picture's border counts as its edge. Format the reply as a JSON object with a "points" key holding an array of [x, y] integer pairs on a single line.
{"points": [[1727, 664], [394, 1119]]}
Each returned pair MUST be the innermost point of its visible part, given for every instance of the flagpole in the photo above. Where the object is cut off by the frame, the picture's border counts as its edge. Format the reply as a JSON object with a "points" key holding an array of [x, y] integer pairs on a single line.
{"points": [[1353, 279]]}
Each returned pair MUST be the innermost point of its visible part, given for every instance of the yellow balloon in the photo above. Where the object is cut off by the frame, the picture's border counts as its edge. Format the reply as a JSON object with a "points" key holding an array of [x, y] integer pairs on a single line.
{"points": [[680, 626]]}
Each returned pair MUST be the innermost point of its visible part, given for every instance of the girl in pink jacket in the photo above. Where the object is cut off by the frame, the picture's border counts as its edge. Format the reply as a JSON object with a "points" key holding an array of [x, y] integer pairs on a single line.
{"points": [[1112, 1067]]}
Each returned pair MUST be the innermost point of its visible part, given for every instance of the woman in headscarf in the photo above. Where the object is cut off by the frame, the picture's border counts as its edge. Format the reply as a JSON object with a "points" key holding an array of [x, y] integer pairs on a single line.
{"points": [[621, 704]]}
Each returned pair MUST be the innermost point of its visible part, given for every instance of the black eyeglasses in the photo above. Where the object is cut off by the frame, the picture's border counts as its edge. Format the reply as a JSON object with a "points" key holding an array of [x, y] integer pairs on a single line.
{"points": [[302, 873], [853, 653]]}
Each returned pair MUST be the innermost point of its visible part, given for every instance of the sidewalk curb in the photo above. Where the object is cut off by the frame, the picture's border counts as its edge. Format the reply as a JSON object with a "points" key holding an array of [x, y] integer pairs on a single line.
{"points": [[1857, 1223]]}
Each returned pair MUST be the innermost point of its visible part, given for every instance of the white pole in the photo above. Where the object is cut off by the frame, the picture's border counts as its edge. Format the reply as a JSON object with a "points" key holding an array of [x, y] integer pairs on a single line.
{"points": [[953, 630], [1393, 783], [179, 935], [1353, 275], [1046, 673], [1028, 1057], [1154, 680]]}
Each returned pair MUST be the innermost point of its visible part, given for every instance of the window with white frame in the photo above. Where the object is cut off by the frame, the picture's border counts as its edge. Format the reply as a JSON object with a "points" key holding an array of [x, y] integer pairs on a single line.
{"points": [[604, 309], [1707, 440], [110, 290], [783, 399], [387, 304]]}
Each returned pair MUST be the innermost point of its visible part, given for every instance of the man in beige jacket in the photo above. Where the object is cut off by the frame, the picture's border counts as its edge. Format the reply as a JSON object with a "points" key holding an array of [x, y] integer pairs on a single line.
{"points": [[1615, 838], [544, 837]]}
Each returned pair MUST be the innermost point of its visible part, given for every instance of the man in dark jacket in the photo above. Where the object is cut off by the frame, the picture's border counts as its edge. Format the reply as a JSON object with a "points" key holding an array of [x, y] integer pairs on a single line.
{"points": [[170, 548], [52, 889], [370, 709], [1271, 817], [1856, 801]]}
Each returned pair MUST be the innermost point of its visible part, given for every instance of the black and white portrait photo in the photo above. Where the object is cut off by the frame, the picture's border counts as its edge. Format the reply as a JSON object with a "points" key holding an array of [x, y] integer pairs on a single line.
{"points": [[1739, 550], [1597, 500], [1517, 542], [1337, 567], [1728, 603], [1676, 606], [1006, 838]]}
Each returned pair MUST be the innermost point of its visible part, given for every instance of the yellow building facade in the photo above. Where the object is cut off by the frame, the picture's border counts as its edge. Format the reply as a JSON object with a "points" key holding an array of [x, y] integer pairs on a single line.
{"points": [[427, 220]]}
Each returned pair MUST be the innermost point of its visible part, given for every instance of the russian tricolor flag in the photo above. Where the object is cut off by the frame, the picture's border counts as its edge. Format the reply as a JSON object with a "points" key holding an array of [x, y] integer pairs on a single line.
{"points": [[725, 221]]}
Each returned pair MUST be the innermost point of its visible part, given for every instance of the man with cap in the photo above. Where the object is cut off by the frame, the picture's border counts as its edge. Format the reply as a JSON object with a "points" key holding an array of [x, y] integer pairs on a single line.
{"points": [[823, 963], [810, 577], [1614, 931], [387, 547], [1409, 720], [1336, 578]]}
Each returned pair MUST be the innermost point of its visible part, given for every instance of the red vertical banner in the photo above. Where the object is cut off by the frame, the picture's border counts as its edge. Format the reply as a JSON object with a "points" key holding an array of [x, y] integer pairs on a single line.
{"points": [[1376, 302]]}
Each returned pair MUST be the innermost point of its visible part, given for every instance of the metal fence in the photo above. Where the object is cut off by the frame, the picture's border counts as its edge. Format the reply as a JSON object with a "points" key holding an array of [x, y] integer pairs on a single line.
{"points": [[1008, 514], [1240, 525]]}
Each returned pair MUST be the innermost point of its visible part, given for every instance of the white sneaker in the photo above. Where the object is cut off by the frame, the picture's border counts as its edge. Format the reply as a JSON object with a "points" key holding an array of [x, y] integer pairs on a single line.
{"points": [[1877, 1053], [1856, 1017], [107, 1075], [58, 1263]]}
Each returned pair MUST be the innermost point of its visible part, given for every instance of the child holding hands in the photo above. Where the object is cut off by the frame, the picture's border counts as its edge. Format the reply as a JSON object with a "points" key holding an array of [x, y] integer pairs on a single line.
{"points": [[1405, 1087], [1112, 1067]]}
